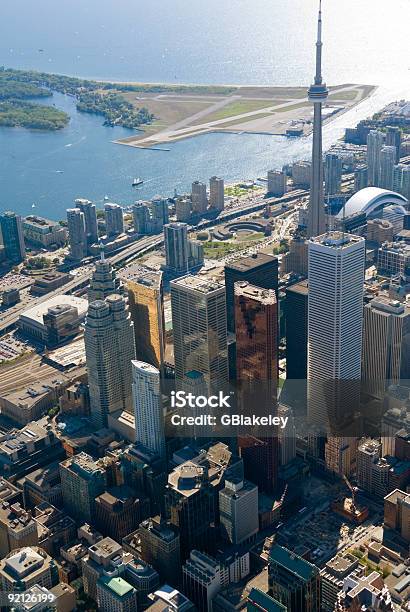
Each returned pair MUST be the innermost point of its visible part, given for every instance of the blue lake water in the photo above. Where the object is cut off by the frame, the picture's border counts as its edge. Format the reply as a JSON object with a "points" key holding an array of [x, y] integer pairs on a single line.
{"points": [[191, 41]]}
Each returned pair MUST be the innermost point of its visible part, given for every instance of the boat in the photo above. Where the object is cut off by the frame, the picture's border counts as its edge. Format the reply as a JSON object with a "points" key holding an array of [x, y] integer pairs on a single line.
{"points": [[106, 198], [136, 182]]}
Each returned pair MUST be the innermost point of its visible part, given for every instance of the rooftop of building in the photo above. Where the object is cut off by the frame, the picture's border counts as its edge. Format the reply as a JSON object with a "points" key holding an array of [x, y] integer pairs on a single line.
{"points": [[82, 463], [397, 496], [160, 528], [8, 491], [40, 222], [107, 547], [336, 240], [118, 585], [17, 440], [341, 564], [14, 516], [292, 562], [246, 264], [301, 287], [258, 600], [36, 313], [369, 446], [145, 368], [389, 305], [145, 278], [198, 283], [264, 296], [24, 561], [398, 247]]}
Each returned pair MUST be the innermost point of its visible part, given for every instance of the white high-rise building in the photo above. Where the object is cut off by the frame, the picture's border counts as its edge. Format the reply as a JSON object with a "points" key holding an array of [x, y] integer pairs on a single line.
{"points": [[114, 219], [149, 417], [109, 349], [216, 193], [387, 163], [375, 143], [335, 316], [77, 236]]}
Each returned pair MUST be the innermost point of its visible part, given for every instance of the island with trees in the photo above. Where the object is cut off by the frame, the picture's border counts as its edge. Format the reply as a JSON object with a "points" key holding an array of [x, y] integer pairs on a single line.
{"points": [[103, 99]]}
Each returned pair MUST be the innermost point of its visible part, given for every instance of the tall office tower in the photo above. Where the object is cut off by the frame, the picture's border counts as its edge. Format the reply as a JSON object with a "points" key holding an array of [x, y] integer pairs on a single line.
{"points": [[361, 177], [199, 198], [335, 315], [13, 240], [146, 304], [216, 193], [386, 331], [77, 236], [256, 323], [276, 183], [109, 349], [160, 548], [317, 94], [114, 219], [148, 411], [296, 312], [90, 219], [140, 217], [368, 453], [199, 328], [387, 162], [293, 582], [103, 281], [238, 510], [393, 139], [82, 480], [191, 506], [176, 247], [25, 567], [333, 173], [201, 579], [117, 512], [260, 270], [375, 143], [287, 436]]}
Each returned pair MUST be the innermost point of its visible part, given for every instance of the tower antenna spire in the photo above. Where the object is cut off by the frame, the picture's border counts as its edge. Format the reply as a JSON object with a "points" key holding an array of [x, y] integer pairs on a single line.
{"points": [[317, 95]]}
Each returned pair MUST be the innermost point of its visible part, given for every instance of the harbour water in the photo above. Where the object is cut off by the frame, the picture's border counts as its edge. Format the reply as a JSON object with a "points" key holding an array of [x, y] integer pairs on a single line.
{"points": [[190, 41]]}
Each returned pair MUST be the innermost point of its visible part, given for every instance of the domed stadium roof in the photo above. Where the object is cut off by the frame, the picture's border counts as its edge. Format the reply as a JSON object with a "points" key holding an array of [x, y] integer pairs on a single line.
{"points": [[369, 200]]}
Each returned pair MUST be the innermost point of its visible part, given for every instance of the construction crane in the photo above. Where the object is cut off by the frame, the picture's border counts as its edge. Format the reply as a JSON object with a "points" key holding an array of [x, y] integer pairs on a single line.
{"points": [[352, 490]]}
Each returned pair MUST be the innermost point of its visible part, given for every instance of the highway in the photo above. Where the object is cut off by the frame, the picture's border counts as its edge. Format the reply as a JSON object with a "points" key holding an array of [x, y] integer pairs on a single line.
{"points": [[144, 245]]}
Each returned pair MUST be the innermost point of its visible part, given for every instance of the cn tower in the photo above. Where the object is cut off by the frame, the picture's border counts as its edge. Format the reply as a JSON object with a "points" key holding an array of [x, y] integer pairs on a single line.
{"points": [[317, 93]]}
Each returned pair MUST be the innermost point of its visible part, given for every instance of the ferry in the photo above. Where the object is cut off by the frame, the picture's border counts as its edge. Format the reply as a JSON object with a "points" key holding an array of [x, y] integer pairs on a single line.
{"points": [[136, 182]]}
